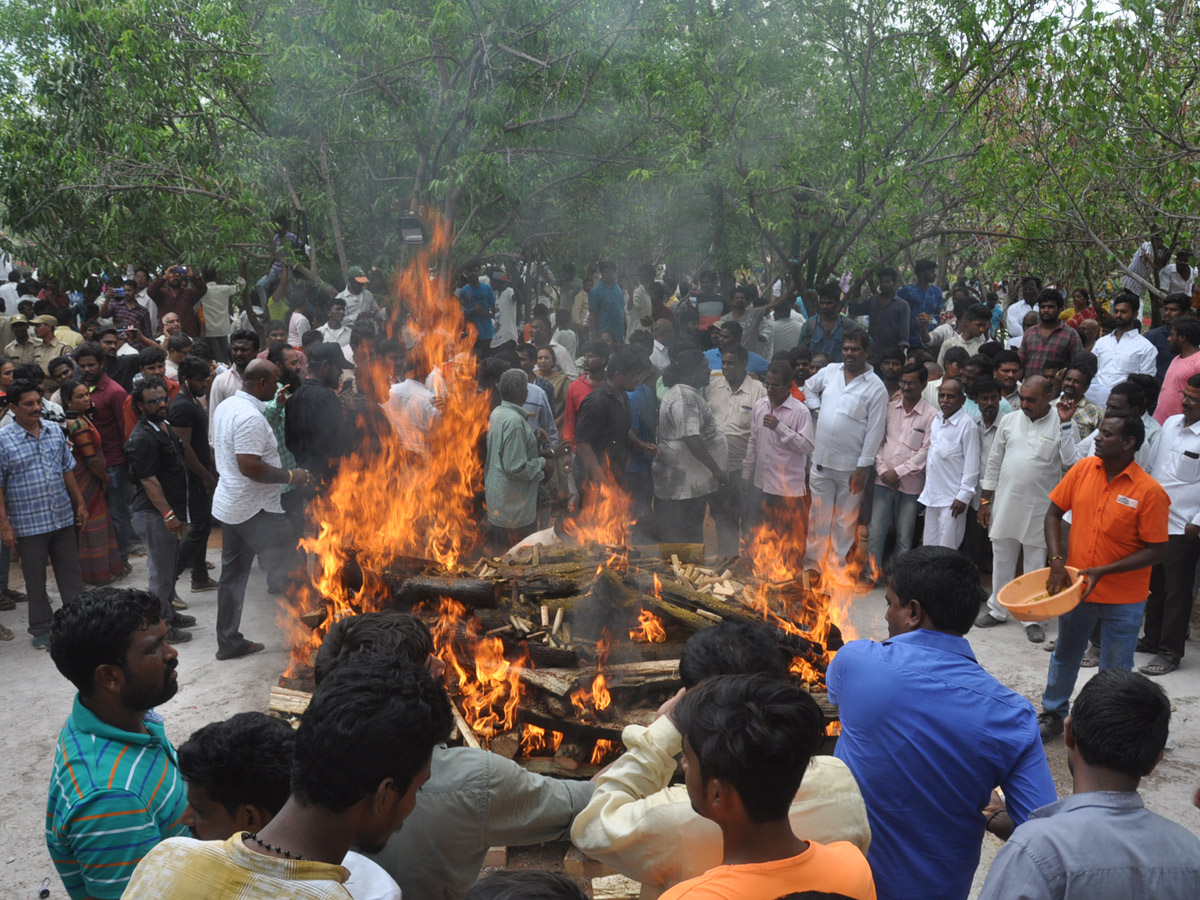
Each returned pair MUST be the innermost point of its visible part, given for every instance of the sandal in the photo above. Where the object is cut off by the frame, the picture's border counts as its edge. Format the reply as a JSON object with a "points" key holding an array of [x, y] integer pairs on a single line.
{"points": [[1160, 665], [6, 634]]}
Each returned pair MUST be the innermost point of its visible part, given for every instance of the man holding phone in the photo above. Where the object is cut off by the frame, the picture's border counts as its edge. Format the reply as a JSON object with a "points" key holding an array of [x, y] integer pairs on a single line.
{"points": [[130, 318], [178, 290]]}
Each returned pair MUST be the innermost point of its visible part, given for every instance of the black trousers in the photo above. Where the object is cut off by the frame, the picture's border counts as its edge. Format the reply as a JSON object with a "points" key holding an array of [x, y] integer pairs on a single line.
{"points": [[1169, 609], [193, 548]]}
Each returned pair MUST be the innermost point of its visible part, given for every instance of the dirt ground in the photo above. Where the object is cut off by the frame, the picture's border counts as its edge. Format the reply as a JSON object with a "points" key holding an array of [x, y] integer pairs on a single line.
{"points": [[37, 700]]}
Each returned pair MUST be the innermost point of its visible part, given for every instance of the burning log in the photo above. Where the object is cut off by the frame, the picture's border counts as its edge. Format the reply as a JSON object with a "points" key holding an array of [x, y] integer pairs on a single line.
{"points": [[473, 592], [571, 755], [663, 673]]}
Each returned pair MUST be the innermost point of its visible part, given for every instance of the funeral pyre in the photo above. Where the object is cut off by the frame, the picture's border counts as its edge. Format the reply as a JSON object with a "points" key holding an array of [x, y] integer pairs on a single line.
{"points": [[550, 651]]}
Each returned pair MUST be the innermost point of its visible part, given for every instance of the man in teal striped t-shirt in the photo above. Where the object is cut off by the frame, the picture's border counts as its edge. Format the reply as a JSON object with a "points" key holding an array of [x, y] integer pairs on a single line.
{"points": [[116, 790]]}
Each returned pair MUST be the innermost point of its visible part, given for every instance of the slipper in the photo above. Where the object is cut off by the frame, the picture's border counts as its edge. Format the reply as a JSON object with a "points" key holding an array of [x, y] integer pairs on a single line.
{"points": [[244, 649], [1091, 658], [6, 634], [1160, 665]]}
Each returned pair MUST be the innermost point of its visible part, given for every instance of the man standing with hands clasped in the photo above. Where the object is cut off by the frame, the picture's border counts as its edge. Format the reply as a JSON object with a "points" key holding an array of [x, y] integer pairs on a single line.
{"points": [[1118, 531], [952, 469]]}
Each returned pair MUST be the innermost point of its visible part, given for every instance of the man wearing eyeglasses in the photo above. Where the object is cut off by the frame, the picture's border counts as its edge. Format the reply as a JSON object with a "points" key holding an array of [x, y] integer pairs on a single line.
{"points": [[156, 464]]}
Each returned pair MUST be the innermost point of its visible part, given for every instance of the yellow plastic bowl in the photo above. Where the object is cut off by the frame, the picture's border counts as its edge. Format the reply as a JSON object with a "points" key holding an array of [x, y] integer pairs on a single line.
{"points": [[1026, 599]]}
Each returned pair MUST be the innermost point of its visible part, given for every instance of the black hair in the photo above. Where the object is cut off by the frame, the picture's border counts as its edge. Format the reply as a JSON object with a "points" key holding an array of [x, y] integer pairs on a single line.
{"points": [[150, 356], [985, 384], [756, 733], [179, 342], [977, 312], [918, 369], [830, 289], [1050, 295], [1132, 426], [1085, 361], [143, 385], [989, 350], [918, 355], [1005, 356], [742, 354], [885, 271], [509, 358], [732, 648], [88, 348], [19, 389], [597, 348], [1188, 328], [682, 362], [372, 718], [734, 328], [1134, 395], [642, 339], [895, 354], [1193, 381], [388, 632], [246, 334], [1150, 388], [922, 265], [66, 389], [955, 356], [360, 333], [625, 360], [1128, 298], [798, 354], [337, 301], [96, 628], [858, 336], [274, 325], [59, 361], [28, 371], [1178, 299], [247, 759], [782, 368], [944, 582], [527, 349], [275, 353], [1034, 279], [525, 884], [1120, 721], [193, 367], [202, 349]]}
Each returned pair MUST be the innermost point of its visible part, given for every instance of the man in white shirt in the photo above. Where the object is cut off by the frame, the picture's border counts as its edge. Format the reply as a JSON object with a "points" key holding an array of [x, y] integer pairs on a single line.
{"points": [[851, 402], [141, 277], [411, 407], [640, 306], [647, 829], [335, 330], [1178, 277], [506, 336], [218, 312], [951, 469], [1014, 316], [564, 335], [732, 400], [359, 301], [10, 292], [1122, 352], [1176, 467], [246, 503], [663, 333], [786, 324], [243, 347], [1028, 457]]}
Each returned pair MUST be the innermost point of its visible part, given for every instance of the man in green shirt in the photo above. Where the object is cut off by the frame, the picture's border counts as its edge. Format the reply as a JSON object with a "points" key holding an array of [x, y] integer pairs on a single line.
{"points": [[514, 465], [116, 789]]}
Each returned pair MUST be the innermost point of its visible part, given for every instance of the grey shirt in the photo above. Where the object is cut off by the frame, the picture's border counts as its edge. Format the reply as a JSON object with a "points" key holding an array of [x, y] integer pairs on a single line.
{"points": [[475, 800], [1101, 845]]}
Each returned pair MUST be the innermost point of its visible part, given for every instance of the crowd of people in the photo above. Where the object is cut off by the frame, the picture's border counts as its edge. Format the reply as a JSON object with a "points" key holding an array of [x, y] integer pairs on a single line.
{"points": [[909, 440]]}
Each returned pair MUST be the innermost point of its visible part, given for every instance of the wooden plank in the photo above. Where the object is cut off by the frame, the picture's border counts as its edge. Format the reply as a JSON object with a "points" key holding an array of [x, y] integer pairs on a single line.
{"points": [[287, 701], [496, 858], [577, 864], [615, 887], [559, 682], [546, 765], [464, 730]]}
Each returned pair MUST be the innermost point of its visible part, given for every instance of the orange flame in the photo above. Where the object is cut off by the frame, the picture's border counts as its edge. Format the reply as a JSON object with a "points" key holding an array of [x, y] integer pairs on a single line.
{"points": [[391, 500], [597, 697], [605, 517], [604, 748], [490, 689], [534, 740], [650, 628]]}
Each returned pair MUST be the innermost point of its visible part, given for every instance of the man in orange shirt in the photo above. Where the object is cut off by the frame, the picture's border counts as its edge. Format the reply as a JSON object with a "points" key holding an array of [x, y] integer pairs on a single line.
{"points": [[747, 741], [1118, 531]]}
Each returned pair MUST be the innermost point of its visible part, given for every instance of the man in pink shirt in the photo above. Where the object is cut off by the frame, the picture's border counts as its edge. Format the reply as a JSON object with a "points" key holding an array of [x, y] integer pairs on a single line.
{"points": [[1184, 340], [900, 467], [781, 439]]}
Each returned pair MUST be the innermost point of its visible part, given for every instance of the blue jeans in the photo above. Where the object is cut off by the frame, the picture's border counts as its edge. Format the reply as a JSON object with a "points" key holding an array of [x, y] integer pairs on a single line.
{"points": [[1119, 626], [116, 494], [888, 508], [266, 285]]}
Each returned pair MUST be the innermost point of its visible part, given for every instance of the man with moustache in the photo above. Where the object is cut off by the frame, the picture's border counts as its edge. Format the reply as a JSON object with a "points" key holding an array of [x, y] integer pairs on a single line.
{"points": [[1050, 344], [156, 465], [116, 790], [952, 469], [243, 347]]}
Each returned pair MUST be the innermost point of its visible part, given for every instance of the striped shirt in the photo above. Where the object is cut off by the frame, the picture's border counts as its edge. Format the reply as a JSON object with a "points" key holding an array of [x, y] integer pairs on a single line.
{"points": [[114, 794], [188, 869]]}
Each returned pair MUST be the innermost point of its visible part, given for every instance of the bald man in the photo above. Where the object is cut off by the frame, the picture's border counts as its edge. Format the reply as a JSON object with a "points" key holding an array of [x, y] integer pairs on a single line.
{"points": [[1031, 451], [247, 505]]}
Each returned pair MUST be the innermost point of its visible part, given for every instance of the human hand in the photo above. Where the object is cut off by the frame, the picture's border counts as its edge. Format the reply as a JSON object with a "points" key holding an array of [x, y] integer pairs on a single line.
{"points": [[1066, 409], [722, 478], [891, 479], [175, 525], [858, 481], [7, 535], [957, 508], [985, 515], [81, 516], [669, 706], [1092, 577], [771, 421], [1191, 531], [1058, 579]]}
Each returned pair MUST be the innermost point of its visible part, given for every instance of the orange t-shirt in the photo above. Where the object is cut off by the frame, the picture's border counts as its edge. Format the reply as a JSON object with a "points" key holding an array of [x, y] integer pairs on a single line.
{"points": [[1109, 521], [838, 868], [131, 416]]}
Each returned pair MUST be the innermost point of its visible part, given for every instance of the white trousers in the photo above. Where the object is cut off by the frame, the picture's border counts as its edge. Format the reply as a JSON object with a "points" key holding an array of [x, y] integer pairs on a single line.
{"points": [[1004, 568], [833, 520], [943, 529]]}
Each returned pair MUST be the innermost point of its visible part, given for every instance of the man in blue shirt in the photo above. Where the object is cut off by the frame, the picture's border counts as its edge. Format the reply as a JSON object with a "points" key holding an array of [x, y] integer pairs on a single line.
{"points": [[924, 300], [1101, 843], [40, 505], [823, 332], [479, 308], [729, 335], [928, 733], [606, 304]]}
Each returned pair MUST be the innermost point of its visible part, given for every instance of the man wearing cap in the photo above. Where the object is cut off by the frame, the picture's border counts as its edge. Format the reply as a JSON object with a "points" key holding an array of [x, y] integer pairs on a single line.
{"points": [[359, 301], [20, 349], [315, 427], [44, 346]]}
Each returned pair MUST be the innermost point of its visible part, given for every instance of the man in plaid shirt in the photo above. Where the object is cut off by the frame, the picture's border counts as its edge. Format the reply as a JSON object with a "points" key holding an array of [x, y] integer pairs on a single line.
{"points": [[1050, 344]]}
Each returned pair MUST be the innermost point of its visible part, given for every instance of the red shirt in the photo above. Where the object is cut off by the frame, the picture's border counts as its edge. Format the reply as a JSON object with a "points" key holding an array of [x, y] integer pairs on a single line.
{"points": [[130, 417], [1109, 521], [109, 398], [579, 389]]}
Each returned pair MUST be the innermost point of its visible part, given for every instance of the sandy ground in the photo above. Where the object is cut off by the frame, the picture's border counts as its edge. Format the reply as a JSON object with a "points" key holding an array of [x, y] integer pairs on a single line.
{"points": [[37, 700]]}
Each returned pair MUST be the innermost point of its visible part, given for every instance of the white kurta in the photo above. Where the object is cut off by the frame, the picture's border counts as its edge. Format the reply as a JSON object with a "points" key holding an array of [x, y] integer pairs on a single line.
{"points": [[1026, 461], [952, 466]]}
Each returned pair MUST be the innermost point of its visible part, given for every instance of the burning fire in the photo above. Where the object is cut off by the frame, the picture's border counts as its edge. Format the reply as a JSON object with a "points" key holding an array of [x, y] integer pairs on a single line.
{"points": [[603, 750], [388, 501], [597, 697], [650, 628], [534, 740], [605, 518], [490, 689]]}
